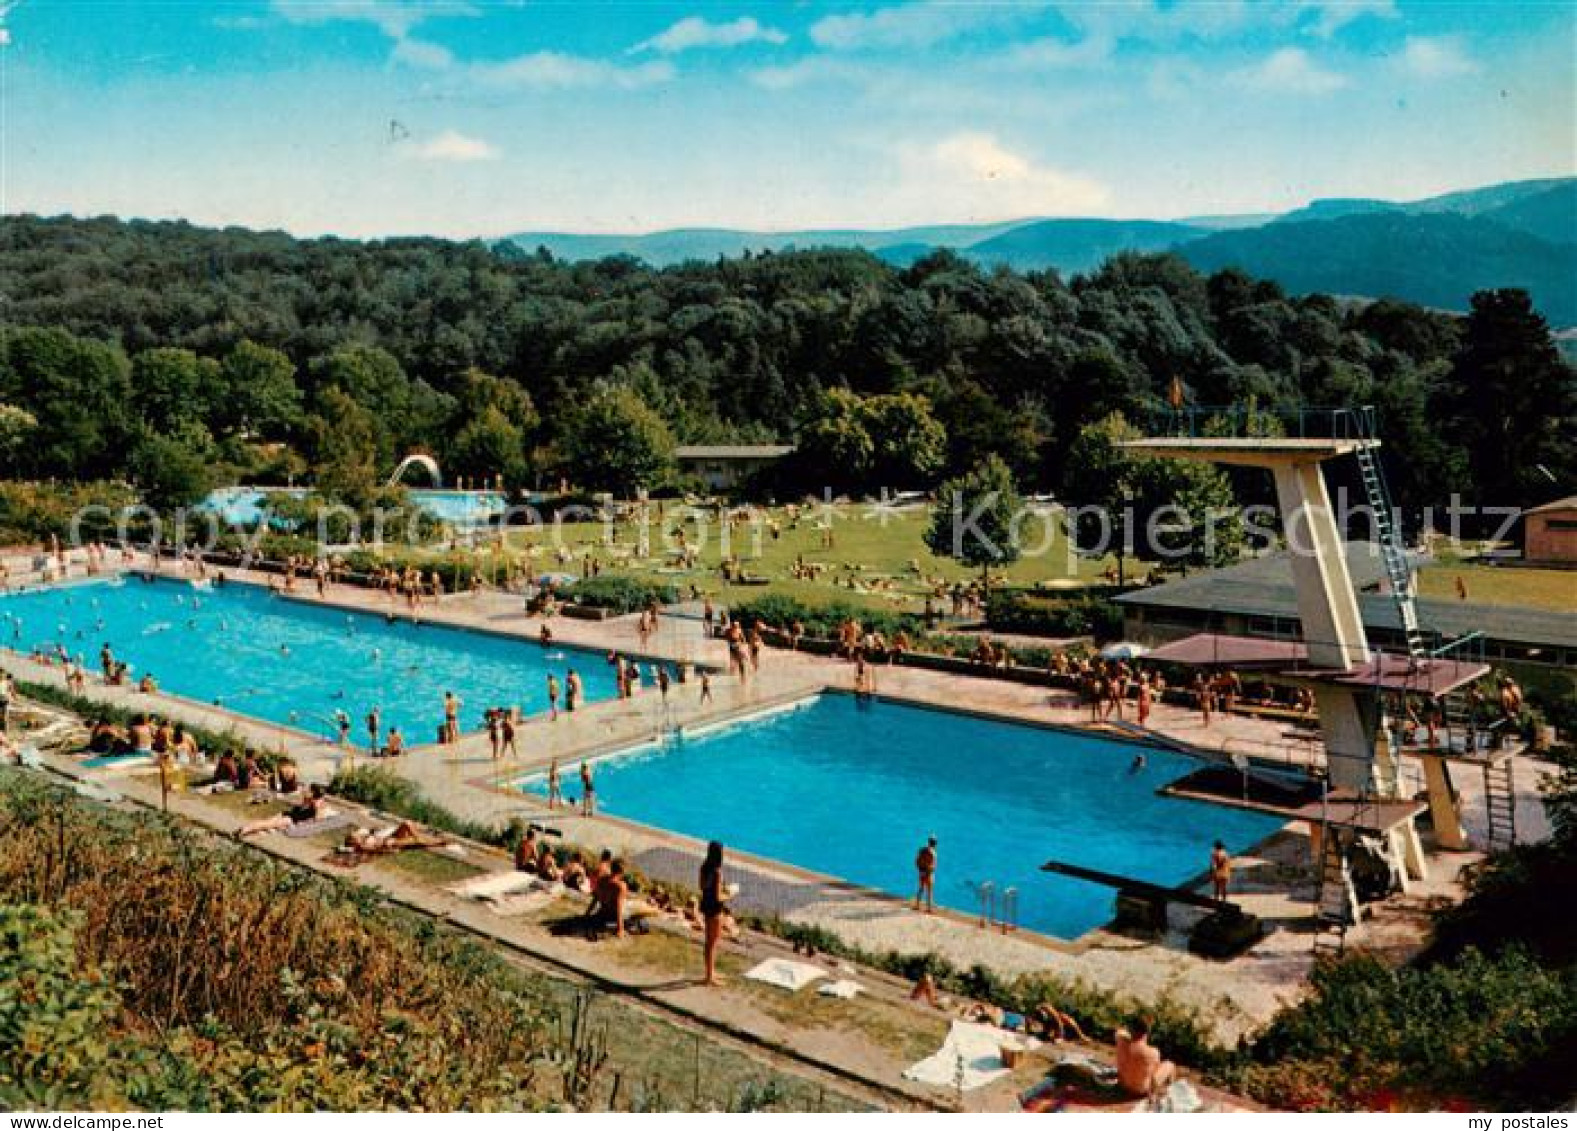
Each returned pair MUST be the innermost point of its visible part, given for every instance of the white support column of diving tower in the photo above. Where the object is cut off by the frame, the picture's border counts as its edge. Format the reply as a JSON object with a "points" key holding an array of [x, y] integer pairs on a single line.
{"points": [[1327, 602]]}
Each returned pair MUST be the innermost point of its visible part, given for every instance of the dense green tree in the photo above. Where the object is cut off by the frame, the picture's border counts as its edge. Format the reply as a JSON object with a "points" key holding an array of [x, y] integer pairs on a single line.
{"points": [[77, 391], [978, 518], [1156, 509], [617, 443], [173, 467], [1513, 403], [489, 446], [17, 428], [173, 387], [261, 396]]}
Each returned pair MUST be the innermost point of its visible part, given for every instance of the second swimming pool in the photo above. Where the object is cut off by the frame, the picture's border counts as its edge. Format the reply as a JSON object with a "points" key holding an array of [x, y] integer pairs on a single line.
{"points": [[852, 788], [242, 647]]}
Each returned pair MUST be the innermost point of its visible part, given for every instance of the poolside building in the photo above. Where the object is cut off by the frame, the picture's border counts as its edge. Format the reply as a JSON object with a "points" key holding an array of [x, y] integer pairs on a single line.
{"points": [[1257, 598], [1549, 534], [724, 467]]}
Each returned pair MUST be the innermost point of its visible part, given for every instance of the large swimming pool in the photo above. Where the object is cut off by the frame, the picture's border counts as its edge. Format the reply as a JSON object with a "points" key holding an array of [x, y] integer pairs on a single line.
{"points": [[852, 788], [277, 659]]}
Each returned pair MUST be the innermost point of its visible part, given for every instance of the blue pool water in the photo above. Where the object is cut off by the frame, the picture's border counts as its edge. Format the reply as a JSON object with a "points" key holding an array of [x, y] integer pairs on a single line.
{"points": [[852, 789], [292, 663], [242, 506]]}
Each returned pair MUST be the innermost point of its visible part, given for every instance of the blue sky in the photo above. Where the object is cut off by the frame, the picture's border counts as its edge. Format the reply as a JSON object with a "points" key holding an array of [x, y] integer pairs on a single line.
{"points": [[483, 117]]}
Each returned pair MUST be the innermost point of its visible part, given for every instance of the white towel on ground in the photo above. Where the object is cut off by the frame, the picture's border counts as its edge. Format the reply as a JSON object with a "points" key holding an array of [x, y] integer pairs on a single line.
{"points": [[494, 885], [842, 988], [970, 1057], [785, 974]]}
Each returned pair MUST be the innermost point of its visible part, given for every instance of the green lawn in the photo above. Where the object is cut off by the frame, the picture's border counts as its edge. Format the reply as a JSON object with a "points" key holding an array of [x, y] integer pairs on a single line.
{"points": [[1499, 585], [876, 559]]}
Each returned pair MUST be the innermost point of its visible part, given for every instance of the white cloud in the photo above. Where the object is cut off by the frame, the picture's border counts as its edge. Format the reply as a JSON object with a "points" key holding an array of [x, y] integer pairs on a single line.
{"points": [[1056, 53], [450, 147], [394, 18], [972, 174], [1333, 15], [693, 31], [420, 53], [812, 68], [554, 70], [912, 25], [1290, 70], [1438, 58]]}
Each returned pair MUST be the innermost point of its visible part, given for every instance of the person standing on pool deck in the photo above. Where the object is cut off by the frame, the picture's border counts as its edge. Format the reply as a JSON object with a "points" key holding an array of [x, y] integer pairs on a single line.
{"points": [[713, 903], [553, 696], [451, 718], [374, 727], [925, 867], [706, 686], [572, 690], [506, 726], [588, 788], [1220, 870], [555, 790]]}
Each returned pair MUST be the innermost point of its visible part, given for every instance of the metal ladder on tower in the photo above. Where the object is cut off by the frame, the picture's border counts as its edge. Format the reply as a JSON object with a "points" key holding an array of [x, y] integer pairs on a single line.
{"points": [[1336, 907], [1392, 552], [1500, 801]]}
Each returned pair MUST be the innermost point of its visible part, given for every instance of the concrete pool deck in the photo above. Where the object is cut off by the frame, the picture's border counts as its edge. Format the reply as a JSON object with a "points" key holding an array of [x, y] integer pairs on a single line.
{"points": [[1272, 881]]}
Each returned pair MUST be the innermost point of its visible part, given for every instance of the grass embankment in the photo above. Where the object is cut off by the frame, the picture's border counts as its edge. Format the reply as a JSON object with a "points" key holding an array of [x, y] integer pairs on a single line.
{"points": [[162, 968], [878, 558], [1553, 589]]}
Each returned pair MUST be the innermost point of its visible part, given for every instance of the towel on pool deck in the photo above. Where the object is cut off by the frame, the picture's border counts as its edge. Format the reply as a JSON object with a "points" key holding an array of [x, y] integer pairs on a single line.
{"points": [[324, 824], [494, 885], [842, 988], [970, 1057], [785, 974]]}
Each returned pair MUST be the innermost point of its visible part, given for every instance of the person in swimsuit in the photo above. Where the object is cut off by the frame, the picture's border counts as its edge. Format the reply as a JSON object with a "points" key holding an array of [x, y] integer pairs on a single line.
{"points": [[714, 900], [1220, 870], [555, 789], [925, 867], [1141, 1070], [553, 696], [588, 799], [312, 808]]}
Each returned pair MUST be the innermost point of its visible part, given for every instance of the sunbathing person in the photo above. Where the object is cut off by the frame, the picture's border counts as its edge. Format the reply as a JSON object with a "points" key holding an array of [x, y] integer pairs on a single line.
{"points": [[375, 842], [313, 808], [548, 865], [1140, 1067], [228, 770]]}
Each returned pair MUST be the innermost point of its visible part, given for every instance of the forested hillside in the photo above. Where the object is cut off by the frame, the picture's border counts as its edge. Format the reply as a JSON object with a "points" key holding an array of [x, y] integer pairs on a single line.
{"points": [[221, 353]]}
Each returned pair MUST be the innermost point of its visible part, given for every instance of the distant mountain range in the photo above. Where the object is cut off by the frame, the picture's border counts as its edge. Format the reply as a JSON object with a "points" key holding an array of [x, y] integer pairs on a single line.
{"points": [[1436, 251]]}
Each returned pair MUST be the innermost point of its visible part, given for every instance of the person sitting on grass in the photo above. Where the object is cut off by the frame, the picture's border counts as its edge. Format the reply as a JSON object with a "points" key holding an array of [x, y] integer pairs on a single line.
{"points": [[228, 770], [608, 900], [287, 779], [548, 865], [526, 851], [1141, 1069], [314, 807]]}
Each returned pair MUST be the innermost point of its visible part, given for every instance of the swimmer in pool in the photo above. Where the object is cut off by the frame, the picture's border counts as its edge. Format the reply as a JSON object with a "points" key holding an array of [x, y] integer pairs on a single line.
{"points": [[1137, 765]]}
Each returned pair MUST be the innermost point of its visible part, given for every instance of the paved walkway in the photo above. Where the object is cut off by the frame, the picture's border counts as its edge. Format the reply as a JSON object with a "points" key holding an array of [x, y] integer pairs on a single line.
{"points": [[1236, 997]]}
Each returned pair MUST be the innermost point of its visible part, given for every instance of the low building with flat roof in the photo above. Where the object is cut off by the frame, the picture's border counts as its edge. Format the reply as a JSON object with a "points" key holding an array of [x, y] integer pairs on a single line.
{"points": [[724, 467], [1256, 598], [1549, 534]]}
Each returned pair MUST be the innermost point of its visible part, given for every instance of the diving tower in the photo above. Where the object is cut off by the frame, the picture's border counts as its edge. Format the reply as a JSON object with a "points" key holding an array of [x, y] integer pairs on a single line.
{"points": [[1353, 685]]}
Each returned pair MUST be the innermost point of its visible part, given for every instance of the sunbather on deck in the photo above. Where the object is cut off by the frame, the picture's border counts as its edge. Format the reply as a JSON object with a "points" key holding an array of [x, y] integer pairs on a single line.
{"points": [[313, 808]]}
